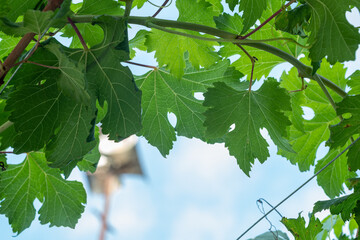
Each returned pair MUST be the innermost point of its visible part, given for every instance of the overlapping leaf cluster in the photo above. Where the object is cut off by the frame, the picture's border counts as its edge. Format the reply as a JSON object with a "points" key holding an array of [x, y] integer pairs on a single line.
{"points": [[50, 107]]}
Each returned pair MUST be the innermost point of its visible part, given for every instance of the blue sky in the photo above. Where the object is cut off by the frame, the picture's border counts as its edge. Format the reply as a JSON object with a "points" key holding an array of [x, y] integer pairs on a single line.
{"points": [[197, 192]]}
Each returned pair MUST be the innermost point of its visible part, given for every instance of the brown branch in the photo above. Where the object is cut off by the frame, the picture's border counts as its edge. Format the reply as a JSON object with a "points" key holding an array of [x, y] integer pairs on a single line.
{"points": [[23, 43], [104, 216], [83, 43], [160, 8], [252, 59], [141, 65], [267, 20], [5, 152]]}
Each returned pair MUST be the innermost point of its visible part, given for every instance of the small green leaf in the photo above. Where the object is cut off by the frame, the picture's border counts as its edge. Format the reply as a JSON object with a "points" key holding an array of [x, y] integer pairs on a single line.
{"points": [[229, 23], [343, 205], [294, 20], [299, 230], [95, 7], [232, 4], [71, 79], [62, 201], [138, 42], [250, 112], [333, 177], [354, 82], [198, 11], [170, 50], [253, 10]]}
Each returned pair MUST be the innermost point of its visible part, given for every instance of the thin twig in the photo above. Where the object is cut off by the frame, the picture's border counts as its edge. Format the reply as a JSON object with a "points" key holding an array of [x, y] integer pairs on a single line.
{"points": [[142, 65], [5, 152], [301, 186], [267, 20], [5, 126], [41, 65], [252, 64], [83, 43], [160, 8]]}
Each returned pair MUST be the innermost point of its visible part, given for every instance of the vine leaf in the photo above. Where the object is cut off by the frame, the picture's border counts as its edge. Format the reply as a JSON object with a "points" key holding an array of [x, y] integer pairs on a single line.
{"points": [[354, 82], [71, 79], [53, 111], [333, 177], [94, 7], [62, 201], [253, 10], [199, 11], [347, 128], [112, 82], [344, 205], [35, 21], [331, 34], [299, 230], [229, 23], [306, 140], [138, 42], [294, 21], [170, 48], [232, 4], [17, 8], [250, 112], [162, 95]]}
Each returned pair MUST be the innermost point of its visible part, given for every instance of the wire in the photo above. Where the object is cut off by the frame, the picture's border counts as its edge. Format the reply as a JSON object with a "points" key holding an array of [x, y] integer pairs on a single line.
{"points": [[301, 186]]}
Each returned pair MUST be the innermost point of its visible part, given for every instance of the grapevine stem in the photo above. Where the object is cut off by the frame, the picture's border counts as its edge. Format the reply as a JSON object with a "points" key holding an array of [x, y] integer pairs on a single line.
{"points": [[5, 126], [305, 70], [267, 20], [301, 186], [141, 65], [252, 64], [42, 65], [83, 43], [235, 41], [5, 152], [161, 8]]}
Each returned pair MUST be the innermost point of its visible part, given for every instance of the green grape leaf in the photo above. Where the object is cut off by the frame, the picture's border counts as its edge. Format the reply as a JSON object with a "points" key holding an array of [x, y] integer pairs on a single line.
{"points": [[94, 7], [307, 140], [17, 8], [354, 82], [299, 230], [344, 205], [138, 3], [294, 20], [35, 112], [72, 141], [170, 50], [250, 112], [198, 11], [71, 79], [331, 34], [138, 42], [333, 177], [266, 61], [92, 34], [35, 21], [348, 128], [232, 4], [7, 44], [216, 5], [229, 23], [253, 10], [163, 94], [109, 81], [62, 201]]}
